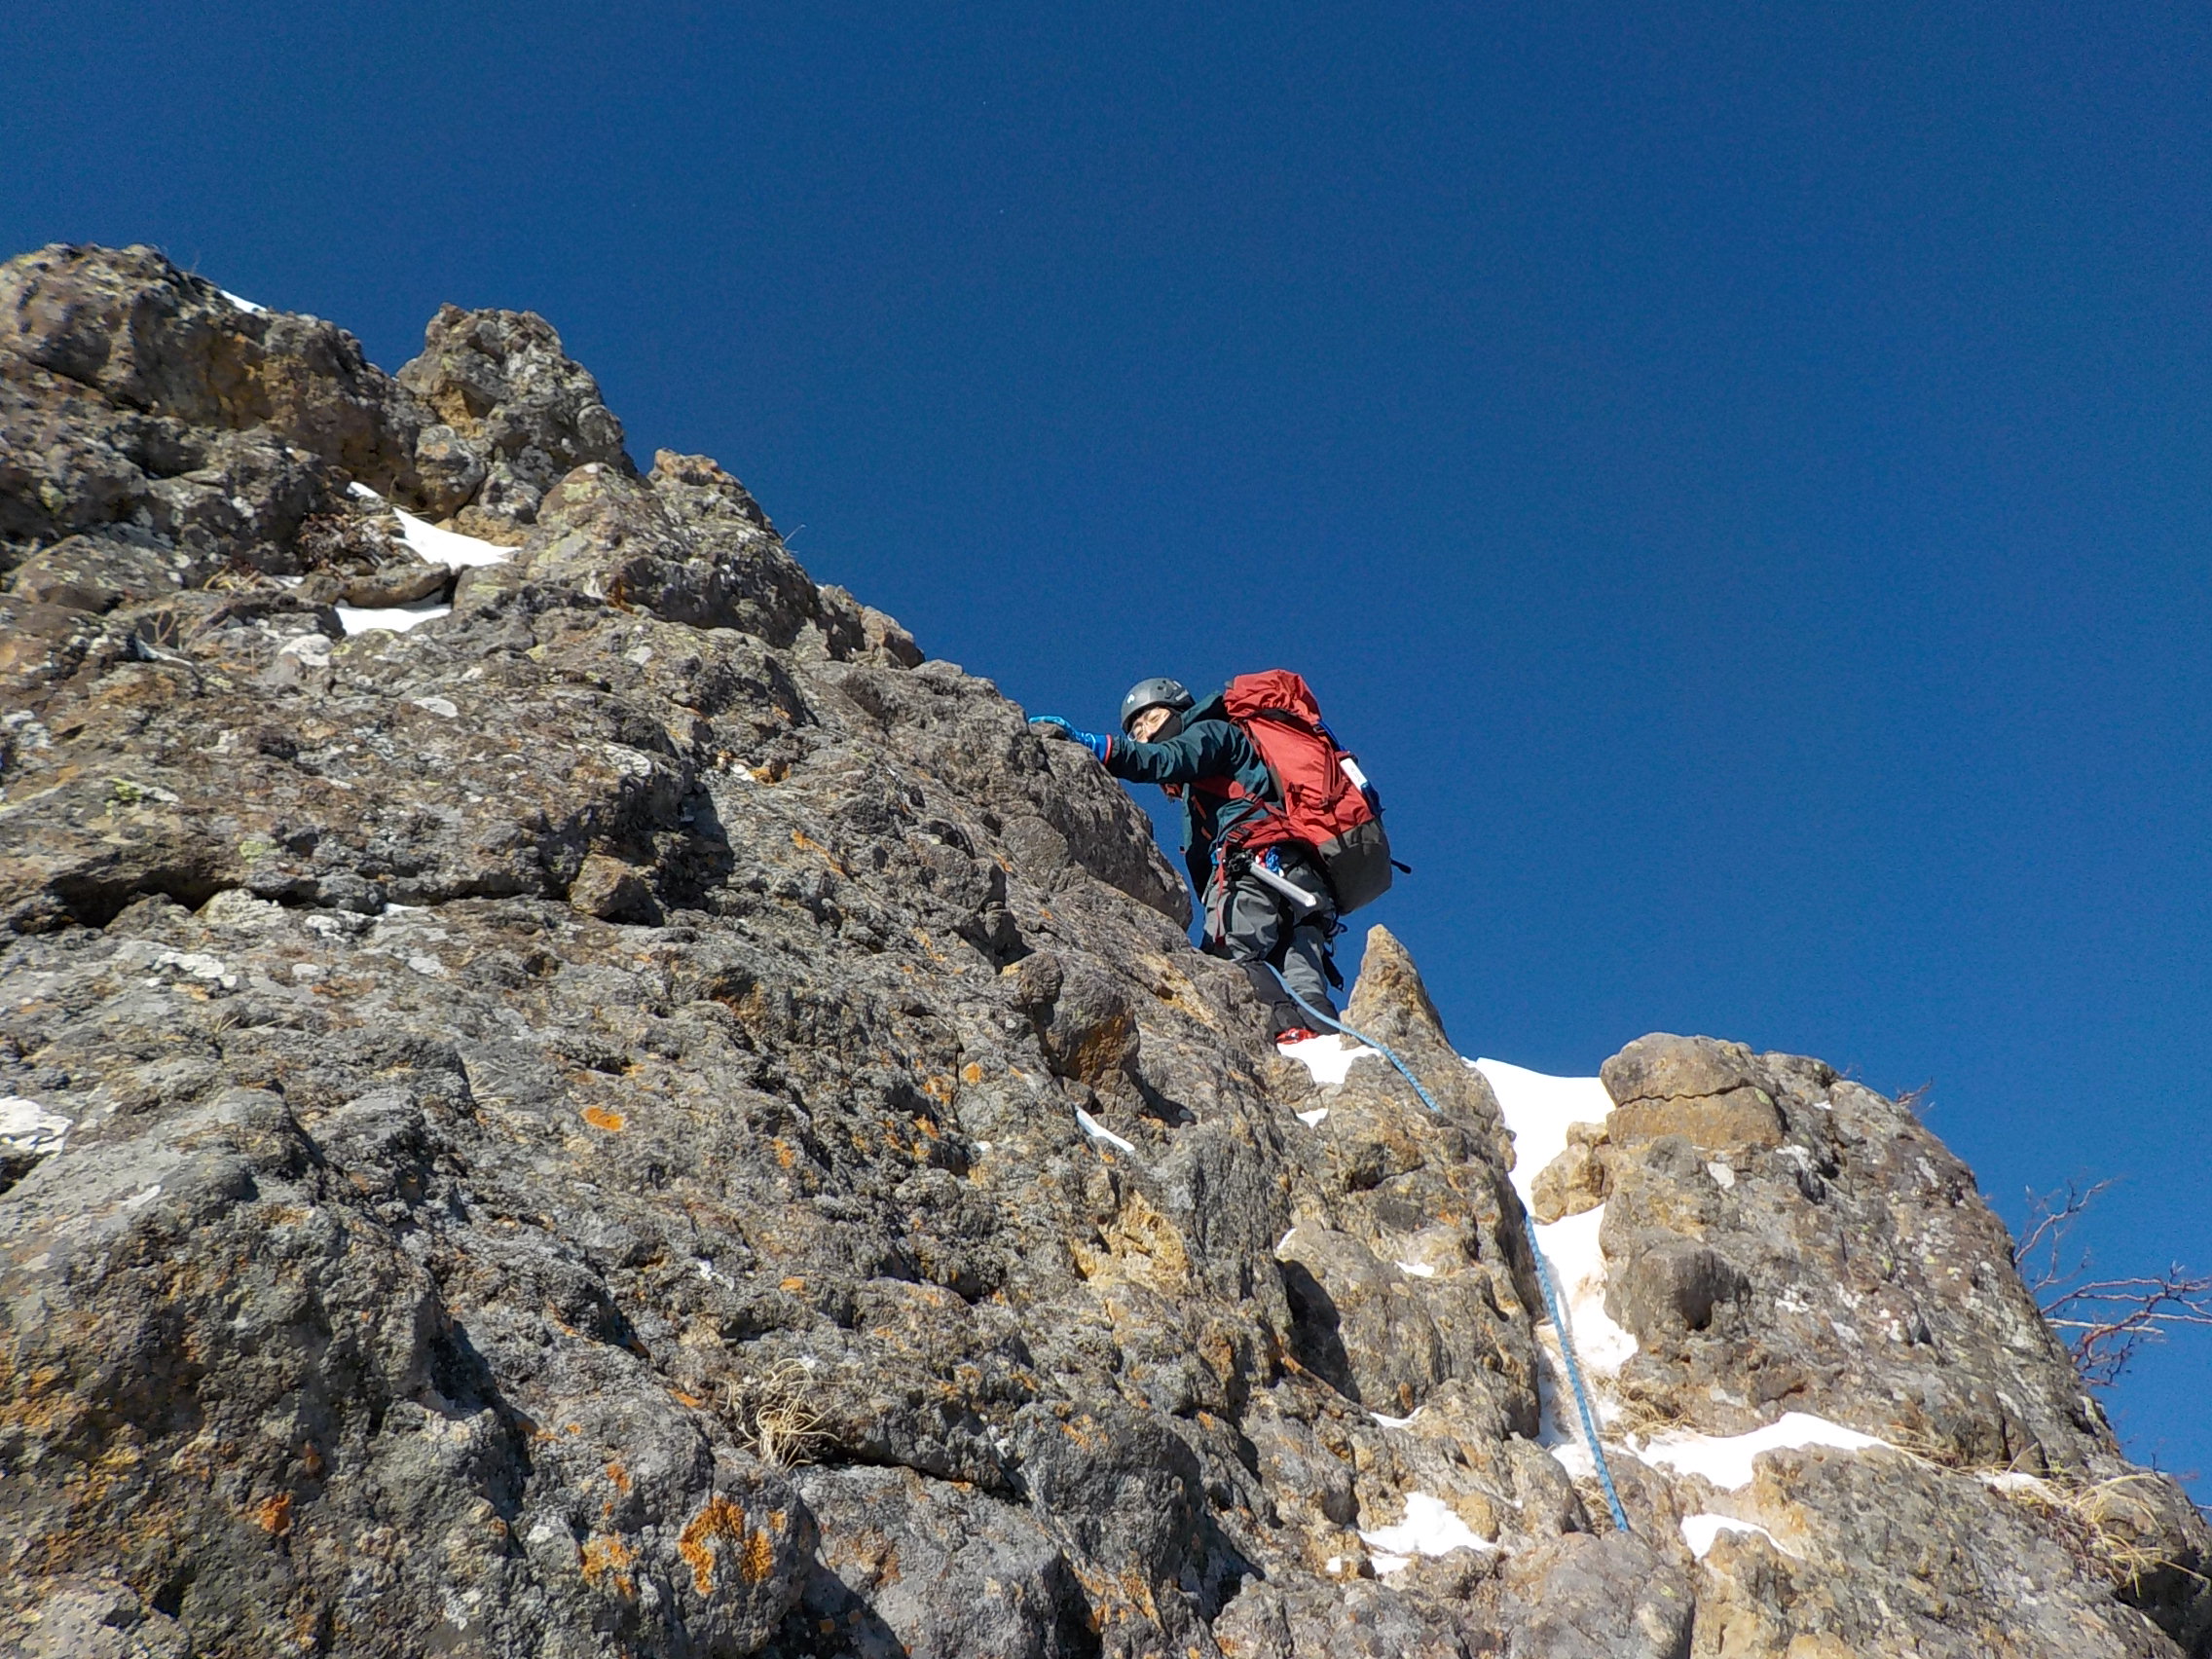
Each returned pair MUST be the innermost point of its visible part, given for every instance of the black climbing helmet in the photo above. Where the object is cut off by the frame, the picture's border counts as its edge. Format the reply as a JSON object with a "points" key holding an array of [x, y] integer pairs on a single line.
{"points": [[1146, 694]]}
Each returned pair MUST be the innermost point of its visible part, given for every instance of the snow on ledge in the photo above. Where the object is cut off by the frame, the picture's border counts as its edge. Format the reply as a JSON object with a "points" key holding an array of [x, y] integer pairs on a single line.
{"points": [[1096, 1130], [1700, 1530], [1330, 1059], [432, 545], [448, 547], [241, 302], [1429, 1529], [1726, 1460], [358, 619]]}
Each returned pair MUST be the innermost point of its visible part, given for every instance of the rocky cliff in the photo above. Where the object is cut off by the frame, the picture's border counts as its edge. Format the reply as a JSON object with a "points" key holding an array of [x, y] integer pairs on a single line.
{"points": [[566, 1093]]}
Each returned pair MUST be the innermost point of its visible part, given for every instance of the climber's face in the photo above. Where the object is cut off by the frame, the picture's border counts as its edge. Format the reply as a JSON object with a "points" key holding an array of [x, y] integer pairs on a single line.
{"points": [[1146, 726]]}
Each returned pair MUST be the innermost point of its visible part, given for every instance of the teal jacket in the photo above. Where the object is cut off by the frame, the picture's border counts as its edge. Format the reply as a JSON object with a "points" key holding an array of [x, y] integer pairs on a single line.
{"points": [[1210, 746]]}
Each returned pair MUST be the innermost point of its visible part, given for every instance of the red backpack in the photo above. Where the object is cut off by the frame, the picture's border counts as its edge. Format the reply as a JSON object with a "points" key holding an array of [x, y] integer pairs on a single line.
{"points": [[1325, 802]]}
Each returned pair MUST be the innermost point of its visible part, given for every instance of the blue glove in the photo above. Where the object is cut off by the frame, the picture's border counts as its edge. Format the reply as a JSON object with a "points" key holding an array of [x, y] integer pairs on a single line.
{"points": [[1101, 747]]}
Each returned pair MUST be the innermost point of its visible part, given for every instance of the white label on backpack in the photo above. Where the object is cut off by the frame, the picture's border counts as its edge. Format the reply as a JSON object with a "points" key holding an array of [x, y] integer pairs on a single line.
{"points": [[1352, 771]]}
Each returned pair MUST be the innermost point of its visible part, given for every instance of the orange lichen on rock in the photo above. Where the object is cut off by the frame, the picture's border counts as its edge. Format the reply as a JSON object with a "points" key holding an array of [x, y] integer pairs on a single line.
{"points": [[724, 1521], [607, 1561], [757, 1561], [599, 1118], [275, 1514]]}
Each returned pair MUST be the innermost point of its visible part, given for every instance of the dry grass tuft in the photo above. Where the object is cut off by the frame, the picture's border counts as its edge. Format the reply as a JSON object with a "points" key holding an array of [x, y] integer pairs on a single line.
{"points": [[2102, 1523], [774, 1415]]}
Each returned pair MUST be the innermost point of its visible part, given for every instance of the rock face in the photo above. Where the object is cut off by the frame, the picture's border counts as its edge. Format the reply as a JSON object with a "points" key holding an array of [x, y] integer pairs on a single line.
{"points": [[641, 1116]]}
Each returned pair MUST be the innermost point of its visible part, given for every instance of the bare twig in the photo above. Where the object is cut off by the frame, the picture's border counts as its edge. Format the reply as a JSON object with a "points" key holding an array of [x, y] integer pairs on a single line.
{"points": [[2105, 1322]]}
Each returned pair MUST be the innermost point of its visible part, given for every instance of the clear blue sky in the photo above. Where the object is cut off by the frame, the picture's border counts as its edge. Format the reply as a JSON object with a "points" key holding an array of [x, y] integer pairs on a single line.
{"points": [[1741, 479]]}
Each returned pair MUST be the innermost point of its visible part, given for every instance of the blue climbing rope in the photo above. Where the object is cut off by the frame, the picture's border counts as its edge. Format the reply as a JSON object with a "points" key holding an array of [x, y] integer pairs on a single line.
{"points": [[1536, 1250]]}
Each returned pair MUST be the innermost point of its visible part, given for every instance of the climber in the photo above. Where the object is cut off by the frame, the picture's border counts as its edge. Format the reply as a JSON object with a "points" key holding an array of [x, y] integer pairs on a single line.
{"points": [[1268, 909]]}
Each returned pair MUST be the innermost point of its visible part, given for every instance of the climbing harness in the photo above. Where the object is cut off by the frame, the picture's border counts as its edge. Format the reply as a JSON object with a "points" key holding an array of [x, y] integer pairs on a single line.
{"points": [[1536, 1250]]}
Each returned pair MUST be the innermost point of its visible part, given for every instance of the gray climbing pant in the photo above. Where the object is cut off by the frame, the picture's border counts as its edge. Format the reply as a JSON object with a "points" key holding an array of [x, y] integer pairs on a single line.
{"points": [[1259, 926]]}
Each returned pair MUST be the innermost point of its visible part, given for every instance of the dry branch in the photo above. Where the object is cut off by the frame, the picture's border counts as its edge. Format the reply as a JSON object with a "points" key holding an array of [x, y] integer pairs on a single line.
{"points": [[2103, 1321]]}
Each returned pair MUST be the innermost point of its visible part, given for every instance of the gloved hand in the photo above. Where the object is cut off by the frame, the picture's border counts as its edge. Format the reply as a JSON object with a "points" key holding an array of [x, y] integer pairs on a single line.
{"points": [[1099, 746]]}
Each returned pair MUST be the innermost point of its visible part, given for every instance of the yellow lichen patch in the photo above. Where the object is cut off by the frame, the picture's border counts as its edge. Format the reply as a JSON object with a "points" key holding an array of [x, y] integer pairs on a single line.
{"points": [[275, 1514], [620, 1476], [722, 1522], [971, 1073], [794, 1285], [758, 1559], [939, 1089], [607, 1561], [599, 1118]]}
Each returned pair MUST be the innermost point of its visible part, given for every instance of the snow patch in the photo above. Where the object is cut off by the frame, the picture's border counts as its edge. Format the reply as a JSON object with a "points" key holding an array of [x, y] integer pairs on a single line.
{"points": [[1559, 1426], [1566, 1450], [1096, 1130], [361, 492], [25, 1125], [1699, 1531], [448, 547], [358, 619], [1418, 1270], [1329, 1059], [1312, 1120], [1397, 1422], [1726, 1460], [1722, 1175], [1578, 1270], [444, 707], [241, 302], [1429, 1529], [1538, 1112]]}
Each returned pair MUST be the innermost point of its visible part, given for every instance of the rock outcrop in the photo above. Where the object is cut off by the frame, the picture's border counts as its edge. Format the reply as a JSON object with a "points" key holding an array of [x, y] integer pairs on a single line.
{"points": [[622, 1111]]}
